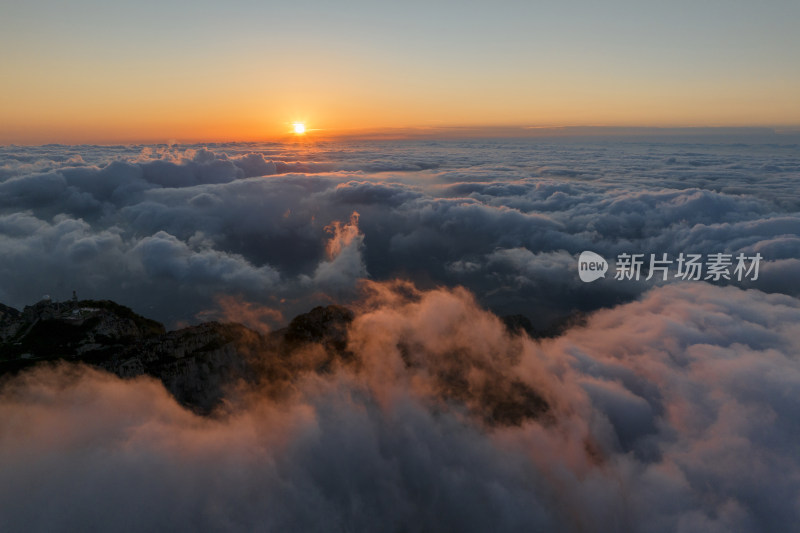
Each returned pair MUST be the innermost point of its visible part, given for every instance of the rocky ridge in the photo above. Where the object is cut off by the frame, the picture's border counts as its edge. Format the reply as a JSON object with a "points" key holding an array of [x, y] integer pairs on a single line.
{"points": [[208, 365], [200, 365]]}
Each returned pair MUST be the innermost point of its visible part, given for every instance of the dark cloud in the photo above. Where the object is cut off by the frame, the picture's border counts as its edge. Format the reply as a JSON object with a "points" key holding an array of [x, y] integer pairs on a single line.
{"points": [[484, 214]]}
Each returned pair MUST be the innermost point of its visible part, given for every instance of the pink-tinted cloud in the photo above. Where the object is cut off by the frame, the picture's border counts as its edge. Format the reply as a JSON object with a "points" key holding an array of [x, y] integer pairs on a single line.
{"points": [[676, 412]]}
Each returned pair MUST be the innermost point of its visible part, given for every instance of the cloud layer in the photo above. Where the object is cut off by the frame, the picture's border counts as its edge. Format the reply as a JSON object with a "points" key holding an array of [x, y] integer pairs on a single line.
{"points": [[676, 412], [671, 406], [165, 229]]}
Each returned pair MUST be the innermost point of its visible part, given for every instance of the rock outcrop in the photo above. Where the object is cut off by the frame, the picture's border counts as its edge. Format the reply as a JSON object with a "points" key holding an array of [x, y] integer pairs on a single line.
{"points": [[200, 365], [208, 365]]}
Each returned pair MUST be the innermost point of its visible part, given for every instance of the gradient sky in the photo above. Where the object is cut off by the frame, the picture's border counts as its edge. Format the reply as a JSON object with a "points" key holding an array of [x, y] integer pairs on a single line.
{"points": [[102, 71]]}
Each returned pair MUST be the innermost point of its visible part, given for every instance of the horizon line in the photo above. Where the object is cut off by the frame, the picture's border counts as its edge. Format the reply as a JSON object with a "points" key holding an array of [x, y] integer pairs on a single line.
{"points": [[454, 132]]}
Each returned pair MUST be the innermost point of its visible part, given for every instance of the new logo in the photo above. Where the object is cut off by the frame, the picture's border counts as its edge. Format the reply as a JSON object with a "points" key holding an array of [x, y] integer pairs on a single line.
{"points": [[591, 266]]}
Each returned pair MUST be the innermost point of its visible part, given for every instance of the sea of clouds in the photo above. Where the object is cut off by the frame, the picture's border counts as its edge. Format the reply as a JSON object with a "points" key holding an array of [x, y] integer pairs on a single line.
{"points": [[674, 407], [166, 229]]}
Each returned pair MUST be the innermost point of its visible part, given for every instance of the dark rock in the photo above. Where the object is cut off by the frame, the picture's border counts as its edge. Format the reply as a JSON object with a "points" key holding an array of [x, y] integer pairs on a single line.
{"points": [[200, 365], [205, 366], [321, 324], [520, 323]]}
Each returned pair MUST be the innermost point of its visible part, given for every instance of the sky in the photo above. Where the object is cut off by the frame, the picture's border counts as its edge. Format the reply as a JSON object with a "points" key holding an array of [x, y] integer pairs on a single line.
{"points": [[101, 72]]}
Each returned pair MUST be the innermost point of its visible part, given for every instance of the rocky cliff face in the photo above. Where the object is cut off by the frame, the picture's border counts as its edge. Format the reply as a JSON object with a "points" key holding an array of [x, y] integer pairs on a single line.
{"points": [[67, 329], [200, 365], [206, 365]]}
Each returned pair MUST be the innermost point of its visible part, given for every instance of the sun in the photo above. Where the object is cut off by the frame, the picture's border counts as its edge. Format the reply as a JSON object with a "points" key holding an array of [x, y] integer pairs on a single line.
{"points": [[299, 128]]}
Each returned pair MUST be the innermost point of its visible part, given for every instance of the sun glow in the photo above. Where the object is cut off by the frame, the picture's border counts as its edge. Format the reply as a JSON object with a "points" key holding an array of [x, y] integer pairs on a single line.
{"points": [[299, 128]]}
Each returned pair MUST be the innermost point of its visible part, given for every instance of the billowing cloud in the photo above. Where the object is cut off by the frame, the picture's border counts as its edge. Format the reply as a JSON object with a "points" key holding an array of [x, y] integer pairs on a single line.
{"points": [[344, 265], [505, 219], [647, 406], [164, 256], [675, 412]]}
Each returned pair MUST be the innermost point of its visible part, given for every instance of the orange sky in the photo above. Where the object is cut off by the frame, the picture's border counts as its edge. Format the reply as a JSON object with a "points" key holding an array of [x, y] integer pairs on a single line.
{"points": [[87, 73]]}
